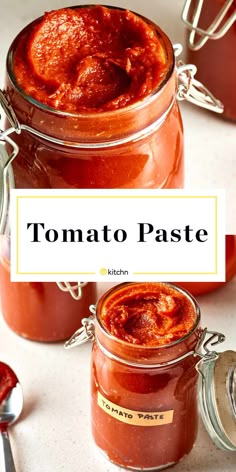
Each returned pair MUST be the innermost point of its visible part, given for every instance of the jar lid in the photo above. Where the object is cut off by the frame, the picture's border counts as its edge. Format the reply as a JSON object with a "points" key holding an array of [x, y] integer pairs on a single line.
{"points": [[217, 397], [220, 25]]}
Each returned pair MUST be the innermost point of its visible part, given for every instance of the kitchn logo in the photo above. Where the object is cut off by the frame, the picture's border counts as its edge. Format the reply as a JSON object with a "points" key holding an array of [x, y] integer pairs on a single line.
{"points": [[104, 271]]}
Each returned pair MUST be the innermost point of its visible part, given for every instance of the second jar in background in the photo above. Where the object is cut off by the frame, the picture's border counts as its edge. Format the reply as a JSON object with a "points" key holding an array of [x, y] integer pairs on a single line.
{"points": [[211, 40]]}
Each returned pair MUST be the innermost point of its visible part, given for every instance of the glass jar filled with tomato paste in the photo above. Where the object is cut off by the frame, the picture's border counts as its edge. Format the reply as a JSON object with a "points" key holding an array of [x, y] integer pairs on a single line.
{"points": [[40, 311], [91, 102], [212, 45], [148, 350]]}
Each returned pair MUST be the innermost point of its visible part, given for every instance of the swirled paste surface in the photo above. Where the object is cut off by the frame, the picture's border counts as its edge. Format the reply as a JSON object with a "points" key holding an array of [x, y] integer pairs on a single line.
{"points": [[90, 59], [149, 314]]}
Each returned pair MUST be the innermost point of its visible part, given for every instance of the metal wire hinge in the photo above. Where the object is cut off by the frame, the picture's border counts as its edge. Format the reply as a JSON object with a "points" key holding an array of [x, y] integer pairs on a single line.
{"points": [[208, 338], [75, 289], [83, 334], [216, 30], [194, 91]]}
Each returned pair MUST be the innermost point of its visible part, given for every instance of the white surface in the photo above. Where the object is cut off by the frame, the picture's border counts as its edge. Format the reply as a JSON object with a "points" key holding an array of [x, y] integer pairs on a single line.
{"points": [[210, 142], [53, 434]]}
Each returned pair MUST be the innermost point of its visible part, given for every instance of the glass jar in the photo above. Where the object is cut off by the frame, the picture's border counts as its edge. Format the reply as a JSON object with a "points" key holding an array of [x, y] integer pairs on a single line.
{"points": [[199, 288], [144, 398], [138, 146], [40, 311], [212, 45]]}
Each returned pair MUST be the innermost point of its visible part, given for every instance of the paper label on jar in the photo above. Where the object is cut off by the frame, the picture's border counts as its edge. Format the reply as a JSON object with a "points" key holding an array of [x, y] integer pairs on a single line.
{"points": [[139, 418]]}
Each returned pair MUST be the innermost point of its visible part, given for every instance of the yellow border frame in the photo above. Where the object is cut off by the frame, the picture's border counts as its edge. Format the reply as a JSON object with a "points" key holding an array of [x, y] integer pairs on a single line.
{"points": [[115, 197]]}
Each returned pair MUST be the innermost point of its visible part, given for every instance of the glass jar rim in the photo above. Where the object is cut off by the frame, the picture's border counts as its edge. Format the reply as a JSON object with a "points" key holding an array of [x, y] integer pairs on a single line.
{"points": [[104, 114], [152, 347]]}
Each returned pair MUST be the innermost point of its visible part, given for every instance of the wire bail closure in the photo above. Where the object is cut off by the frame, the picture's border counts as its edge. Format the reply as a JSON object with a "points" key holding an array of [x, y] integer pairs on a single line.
{"points": [[204, 353], [74, 288], [83, 334], [207, 338], [6, 159], [216, 30], [194, 91]]}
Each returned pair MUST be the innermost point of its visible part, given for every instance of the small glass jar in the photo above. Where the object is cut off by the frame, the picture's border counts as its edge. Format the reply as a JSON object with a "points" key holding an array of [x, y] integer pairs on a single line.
{"points": [[131, 383], [40, 311], [144, 398], [212, 45]]}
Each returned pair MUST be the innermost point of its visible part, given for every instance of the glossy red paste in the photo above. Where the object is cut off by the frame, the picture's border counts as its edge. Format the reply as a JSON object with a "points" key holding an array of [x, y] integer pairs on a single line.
{"points": [[148, 159], [155, 314], [90, 59], [8, 380]]}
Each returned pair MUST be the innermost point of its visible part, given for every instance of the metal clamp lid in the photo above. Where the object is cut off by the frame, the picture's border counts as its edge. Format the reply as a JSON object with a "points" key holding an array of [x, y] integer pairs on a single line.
{"points": [[83, 334], [217, 397], [74, 288], [191, 89], [216, 30], [6, 183], [206, 338]]}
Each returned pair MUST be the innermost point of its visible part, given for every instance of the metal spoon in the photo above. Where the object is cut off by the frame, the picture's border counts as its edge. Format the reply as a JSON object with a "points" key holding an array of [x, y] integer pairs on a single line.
{"points": [[10, 408]]}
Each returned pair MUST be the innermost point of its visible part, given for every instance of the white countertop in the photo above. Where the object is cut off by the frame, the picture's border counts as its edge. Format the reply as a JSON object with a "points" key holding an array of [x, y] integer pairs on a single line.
{"points": [[210, 142], [53, 434]]}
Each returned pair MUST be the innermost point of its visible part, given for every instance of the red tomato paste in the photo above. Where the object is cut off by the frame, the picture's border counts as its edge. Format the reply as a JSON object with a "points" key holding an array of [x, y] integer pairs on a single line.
{"points": [[123, 132], [8, 380], [155, 314], [97, 59], [94, 138]]}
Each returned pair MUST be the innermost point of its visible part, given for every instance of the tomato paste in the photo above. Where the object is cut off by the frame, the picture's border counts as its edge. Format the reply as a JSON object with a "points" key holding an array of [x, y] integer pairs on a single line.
{"points": [[97, 58], [155, 314], [112, 134], [128, 135], [143, 382], [8, 380]]}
